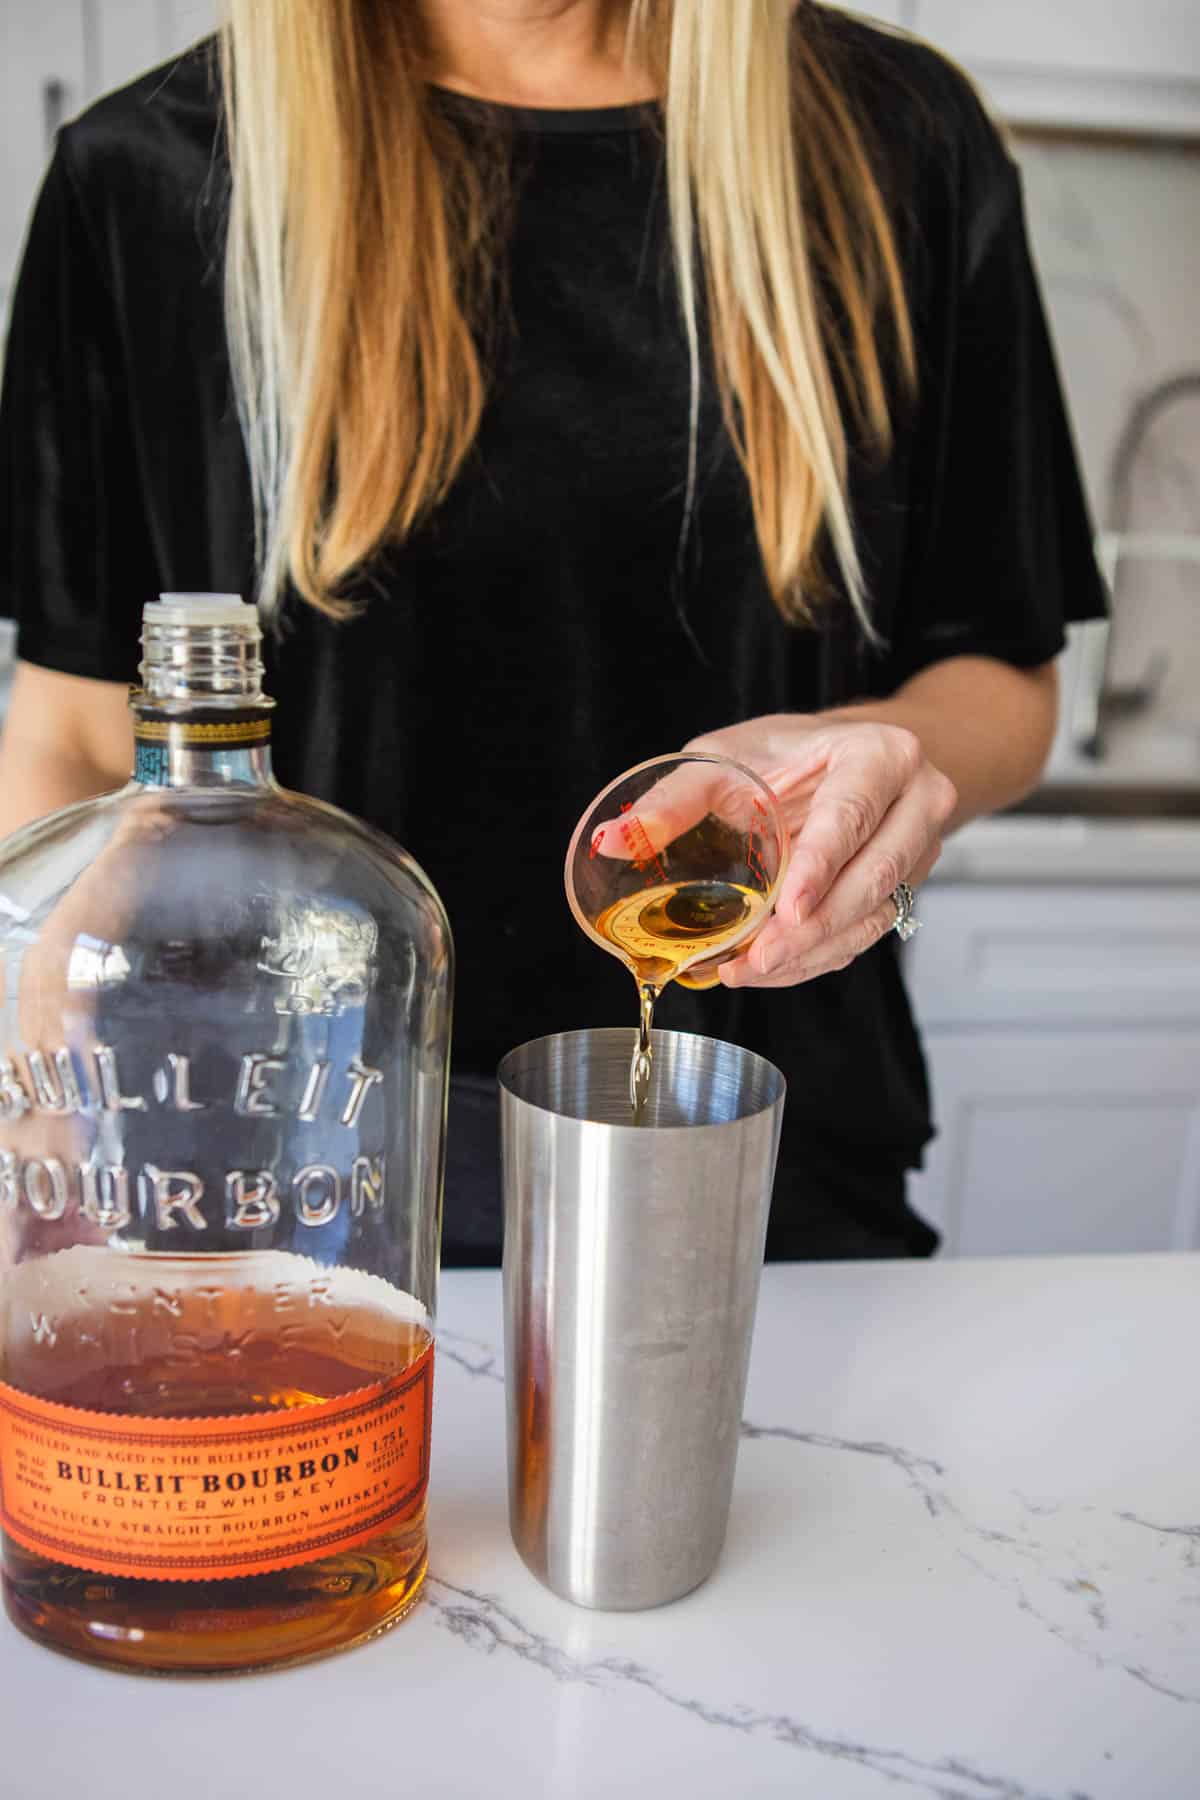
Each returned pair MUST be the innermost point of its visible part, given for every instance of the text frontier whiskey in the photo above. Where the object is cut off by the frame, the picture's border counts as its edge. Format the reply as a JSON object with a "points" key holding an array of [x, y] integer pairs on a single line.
{"points": [[222, 1103], [177, 1491]]}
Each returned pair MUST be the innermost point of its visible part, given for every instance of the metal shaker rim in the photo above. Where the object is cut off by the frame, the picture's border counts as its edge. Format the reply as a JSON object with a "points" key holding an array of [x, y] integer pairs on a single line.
{"points": [[700, 1083]]}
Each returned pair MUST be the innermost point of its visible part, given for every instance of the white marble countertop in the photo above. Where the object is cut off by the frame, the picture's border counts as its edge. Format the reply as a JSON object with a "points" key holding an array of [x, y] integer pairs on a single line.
{"points": [[963, 1561]]}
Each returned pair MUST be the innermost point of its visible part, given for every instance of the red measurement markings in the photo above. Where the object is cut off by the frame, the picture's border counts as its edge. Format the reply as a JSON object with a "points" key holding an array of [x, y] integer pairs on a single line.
{"points": [[642, 852], [754, 861]]}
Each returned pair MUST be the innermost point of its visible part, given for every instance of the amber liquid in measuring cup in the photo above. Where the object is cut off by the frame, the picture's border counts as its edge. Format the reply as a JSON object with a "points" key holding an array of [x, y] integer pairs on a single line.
{"points": [[674, 868], [663, 928]]}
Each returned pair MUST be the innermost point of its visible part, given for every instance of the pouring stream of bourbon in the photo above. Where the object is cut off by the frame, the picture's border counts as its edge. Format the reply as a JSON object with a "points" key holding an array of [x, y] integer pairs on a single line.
{"points": [[660, 932]]}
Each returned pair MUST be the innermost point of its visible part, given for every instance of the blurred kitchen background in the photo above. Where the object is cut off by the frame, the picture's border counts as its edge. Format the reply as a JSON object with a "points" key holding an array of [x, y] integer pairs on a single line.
{"points": [[1058, 977]]}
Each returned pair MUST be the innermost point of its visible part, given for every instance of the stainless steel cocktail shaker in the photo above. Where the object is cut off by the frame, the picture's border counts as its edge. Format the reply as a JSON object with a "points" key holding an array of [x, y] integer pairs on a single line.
{"points": [[632, 1256]]}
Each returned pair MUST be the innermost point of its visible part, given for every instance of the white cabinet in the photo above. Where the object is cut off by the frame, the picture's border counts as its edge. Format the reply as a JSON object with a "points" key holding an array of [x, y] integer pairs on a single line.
{"points": [[42, 81], [1054, 954], [1060, 1142], [55, 56], [1062, 1029], [1119, 66], [1073, 34], [1129, 65]]}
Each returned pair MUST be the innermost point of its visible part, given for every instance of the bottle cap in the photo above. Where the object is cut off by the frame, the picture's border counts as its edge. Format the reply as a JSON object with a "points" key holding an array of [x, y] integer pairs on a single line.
{"points": [[199, 609], [201, 647]]}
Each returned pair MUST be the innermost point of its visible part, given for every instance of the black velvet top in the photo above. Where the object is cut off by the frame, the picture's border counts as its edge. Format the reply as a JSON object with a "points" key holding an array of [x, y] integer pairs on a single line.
{"points": [[543, 633]]}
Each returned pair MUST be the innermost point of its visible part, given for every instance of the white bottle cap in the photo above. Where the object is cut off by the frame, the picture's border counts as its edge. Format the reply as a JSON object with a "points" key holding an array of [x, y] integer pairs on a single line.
{"points": [[199, 609]]}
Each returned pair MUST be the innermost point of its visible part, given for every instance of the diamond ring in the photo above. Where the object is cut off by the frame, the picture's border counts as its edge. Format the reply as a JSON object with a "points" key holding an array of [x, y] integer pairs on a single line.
{"points": [[906, 926]]}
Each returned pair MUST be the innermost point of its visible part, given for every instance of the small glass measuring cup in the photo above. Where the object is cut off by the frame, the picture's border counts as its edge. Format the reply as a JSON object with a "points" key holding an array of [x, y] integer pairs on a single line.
{"points": [[674, 868]]}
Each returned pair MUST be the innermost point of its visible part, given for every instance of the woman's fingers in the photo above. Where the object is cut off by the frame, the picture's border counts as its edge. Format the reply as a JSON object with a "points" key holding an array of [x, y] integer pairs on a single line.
{"points": [[858, 909], [895, 853], [798, 964], [866, 812], [869, 768], [666, 810], [676, 803]]}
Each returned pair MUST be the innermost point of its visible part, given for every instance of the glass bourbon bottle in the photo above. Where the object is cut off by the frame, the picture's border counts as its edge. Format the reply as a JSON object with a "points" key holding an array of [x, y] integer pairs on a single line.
{"points": [[226, 1018]]}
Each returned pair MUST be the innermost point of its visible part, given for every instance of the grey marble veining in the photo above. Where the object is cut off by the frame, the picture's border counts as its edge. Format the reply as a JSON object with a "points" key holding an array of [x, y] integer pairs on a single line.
{"points": [[819, 1440], [1036, 1567], [963, 1561], [485, 1625], [1189, 1532], [470, 1355]]}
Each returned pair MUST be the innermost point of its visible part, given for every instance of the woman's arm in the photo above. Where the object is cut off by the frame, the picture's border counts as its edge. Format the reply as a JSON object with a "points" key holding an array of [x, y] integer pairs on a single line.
{"points": [[870, 790], [986, 725], [65, 738]]}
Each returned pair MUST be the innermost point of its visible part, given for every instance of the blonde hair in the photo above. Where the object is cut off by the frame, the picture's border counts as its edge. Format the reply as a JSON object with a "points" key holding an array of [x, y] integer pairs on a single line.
{"points": [[364, 238]]}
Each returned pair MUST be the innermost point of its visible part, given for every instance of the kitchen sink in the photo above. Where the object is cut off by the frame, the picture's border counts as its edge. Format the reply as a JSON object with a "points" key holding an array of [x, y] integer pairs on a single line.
{"points": [[1134, 800]]}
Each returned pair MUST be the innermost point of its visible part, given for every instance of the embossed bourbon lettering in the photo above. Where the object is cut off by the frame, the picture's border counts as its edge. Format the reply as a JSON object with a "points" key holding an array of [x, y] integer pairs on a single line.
{"points": [[366, 1183], [44, 1180], [105, 1195], [109, 1081], [314, 1091], [55, 1084], [361, 1080], [260, 1085], [251, 1199], [321, 1181], [172, 1191], [254, 1097], [173, 1084], [14, 1101]]}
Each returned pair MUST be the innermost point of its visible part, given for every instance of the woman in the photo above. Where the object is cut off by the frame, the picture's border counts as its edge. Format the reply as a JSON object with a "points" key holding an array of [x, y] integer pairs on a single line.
{"points": [[610, 377]]}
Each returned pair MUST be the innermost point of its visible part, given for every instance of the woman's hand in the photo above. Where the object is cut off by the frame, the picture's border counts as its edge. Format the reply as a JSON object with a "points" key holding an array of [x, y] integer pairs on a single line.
{"points": [[866, 810]]}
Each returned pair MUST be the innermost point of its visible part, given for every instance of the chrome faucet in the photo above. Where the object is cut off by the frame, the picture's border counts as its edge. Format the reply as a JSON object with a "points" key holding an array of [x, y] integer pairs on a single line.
{"points": [[1097, 699]]}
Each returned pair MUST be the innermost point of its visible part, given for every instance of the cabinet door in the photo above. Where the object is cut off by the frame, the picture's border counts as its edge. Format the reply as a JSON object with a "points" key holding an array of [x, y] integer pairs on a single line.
{"points": [[55, 56], [42, 81], [1156, 37], [1078, 62], [1063, 1142], [1055, 955]]}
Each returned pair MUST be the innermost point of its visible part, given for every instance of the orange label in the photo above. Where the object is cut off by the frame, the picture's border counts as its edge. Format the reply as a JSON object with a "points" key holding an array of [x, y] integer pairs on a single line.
{"points": [[196, 1499]]}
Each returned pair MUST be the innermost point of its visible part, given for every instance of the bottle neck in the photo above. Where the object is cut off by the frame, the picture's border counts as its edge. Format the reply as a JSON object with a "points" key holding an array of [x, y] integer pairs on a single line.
{"points": [[200, 717], [206, 747]]}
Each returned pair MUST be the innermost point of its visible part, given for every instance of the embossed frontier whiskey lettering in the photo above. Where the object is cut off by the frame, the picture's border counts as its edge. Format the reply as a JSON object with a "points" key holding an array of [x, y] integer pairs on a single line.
{"points": [[224, 1026]]}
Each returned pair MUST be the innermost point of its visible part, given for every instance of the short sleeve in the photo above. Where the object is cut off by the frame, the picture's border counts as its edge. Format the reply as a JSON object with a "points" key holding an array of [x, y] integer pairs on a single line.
{"points": [[1002, 553], [75, 550]]}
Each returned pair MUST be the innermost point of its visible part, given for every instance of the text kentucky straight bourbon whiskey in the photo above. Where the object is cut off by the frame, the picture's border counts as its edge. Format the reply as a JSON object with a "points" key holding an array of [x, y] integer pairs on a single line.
{"points": [[225, 1018]]}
